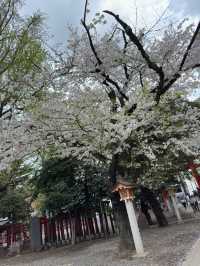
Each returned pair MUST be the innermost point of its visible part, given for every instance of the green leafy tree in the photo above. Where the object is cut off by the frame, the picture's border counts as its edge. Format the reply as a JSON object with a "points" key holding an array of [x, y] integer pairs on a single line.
{"points": [[14, 196], [13, 205], [21, 56], [69, 184], [22, 81]]}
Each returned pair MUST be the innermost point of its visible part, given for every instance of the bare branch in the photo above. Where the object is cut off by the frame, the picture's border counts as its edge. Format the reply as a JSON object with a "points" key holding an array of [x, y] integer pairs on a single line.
{"points": [[192, 67], [91, 43], [157, 21], [124, 52], [189, 46], [164, 84], [99, 62], [85, 11], [5, 20], [177, 75], [141, 79], [152, 65], [113, 33]]}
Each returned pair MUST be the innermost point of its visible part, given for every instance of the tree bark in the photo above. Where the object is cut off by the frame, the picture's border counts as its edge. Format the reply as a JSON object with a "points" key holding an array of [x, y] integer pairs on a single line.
{"points": [[126, 239], [120, 213], [149, 196]]}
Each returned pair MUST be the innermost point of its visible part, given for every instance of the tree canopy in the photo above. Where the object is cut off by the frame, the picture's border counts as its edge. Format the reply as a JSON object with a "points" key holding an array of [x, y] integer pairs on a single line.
{"points": [[121, 98], [69, 185]]}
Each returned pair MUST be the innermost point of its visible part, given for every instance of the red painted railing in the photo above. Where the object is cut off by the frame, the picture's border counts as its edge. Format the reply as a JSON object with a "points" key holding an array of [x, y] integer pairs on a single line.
{"points": [[11, 233], [65, 228]]}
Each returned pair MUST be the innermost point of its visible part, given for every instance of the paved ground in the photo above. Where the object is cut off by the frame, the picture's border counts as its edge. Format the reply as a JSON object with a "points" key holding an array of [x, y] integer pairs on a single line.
{"points": [[193, 257], [165, 246]]}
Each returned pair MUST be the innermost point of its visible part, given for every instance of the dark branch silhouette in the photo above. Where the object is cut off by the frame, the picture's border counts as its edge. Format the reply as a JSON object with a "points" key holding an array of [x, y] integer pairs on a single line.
{"points": [[164, 84], [107, 79]]}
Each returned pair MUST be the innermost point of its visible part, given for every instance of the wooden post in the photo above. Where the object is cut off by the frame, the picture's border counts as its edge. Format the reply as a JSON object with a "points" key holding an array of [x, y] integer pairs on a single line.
{"points": [[58, 230], [101, 223], [83, 227], [96, 225], [88, 227], [54, 230], [73, 230], [106, 223], [67, 227], [62, 229], [112, 224]]}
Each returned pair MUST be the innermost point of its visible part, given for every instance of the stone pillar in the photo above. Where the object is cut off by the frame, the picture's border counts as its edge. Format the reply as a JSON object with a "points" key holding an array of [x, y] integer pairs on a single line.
{"points": [[125, 190], [36, 238], [134, 227], [168, 205], [172, 195]]}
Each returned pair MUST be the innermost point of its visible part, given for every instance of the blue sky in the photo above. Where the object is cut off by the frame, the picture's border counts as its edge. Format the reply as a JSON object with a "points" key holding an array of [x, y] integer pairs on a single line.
{"points": [[60, 13]]}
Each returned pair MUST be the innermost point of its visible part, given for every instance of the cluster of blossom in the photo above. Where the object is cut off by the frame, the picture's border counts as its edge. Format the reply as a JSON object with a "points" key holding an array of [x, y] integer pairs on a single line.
{"points": [[101, 105], [159, 139]]}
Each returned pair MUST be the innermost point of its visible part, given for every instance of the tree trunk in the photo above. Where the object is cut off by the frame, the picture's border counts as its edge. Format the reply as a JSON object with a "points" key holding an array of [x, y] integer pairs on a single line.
{"points": [[112, 224], [148, 217], [149, 196], [122, 221]]}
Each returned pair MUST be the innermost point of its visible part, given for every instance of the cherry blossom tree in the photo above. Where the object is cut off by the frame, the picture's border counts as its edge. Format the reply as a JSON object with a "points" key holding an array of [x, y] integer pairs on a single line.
{"points": [[122, 98], [139, 129]]}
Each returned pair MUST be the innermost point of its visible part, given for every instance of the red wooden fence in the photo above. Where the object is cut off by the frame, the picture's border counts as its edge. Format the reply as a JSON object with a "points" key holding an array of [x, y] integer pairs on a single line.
{"points": [[11, 233], [67, 229]]}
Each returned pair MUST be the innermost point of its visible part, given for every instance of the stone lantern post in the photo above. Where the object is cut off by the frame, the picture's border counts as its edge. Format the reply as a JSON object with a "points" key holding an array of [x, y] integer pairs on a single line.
{"points": [[172, 192], [125, 190]]}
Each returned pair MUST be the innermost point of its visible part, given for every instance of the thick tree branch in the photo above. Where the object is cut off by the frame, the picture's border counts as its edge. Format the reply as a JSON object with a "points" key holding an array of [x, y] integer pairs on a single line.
{"points": [[114, 83], [91, 43], [85, 11], [111, 94], [189, 46], [168, 83], [164, 89], [100, 63], [192, 67], [124, 52], [152, 65], [83, 21]]}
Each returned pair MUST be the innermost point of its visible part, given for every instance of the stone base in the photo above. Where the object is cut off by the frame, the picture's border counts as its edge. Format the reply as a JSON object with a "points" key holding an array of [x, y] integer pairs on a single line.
{"points": [[142, 255]]}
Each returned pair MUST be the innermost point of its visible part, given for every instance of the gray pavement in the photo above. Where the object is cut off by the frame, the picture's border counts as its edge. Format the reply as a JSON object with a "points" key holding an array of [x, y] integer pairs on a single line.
{"points": [[193, 257], [167, 246]]}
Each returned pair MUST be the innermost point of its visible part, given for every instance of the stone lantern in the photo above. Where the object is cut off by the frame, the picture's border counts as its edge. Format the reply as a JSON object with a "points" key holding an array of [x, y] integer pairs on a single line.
{"points": [[125, 190], [172, 193]]}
